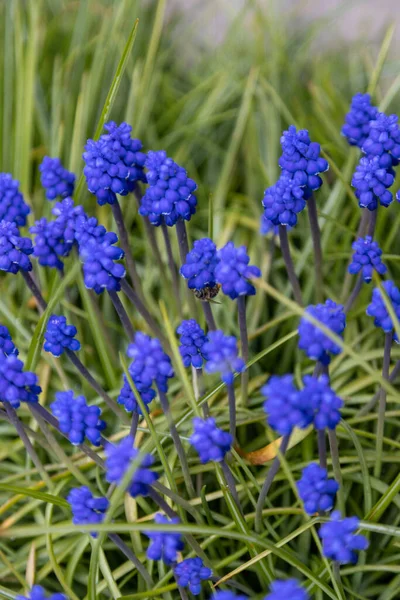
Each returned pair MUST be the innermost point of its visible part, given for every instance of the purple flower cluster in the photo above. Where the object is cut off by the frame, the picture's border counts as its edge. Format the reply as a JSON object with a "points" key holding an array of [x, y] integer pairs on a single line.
{"points": [[192, 343], [68, 215], [7, 346], [150, 364], [17, 385], [59, 336], [164, 545], [118, 460], [56, 180], [313, 340], [38, 593], [85, 508], [283, 405], [50, 244], [170, 195], [227, 595], [339, 540], [200, 265], [316, 490], [358, 120], [128, 399], [222, 356], [286, 589], [12, 205], [322, 401], [233, 271], [190, 573], [14, 249], [282, 202], [384, 140], [379, 311], [366, 258], [371, 181], [210, 442], [77, 419]]}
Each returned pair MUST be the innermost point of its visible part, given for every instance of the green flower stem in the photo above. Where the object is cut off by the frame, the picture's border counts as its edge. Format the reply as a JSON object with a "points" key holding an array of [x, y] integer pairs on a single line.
{"points": [[338, 579], [244, 340], [230, 482], [35, 290], [382, 405], [333, 443], [172, 268], [198, 389], [372, 222], [183, 252], [232, 409], [269, 479], [289, 265], [208, 314], [322, 448], [182, 591], [122, 314], [134, 424], [316, 238], [354, 294], [132, 557], [136, 301]]}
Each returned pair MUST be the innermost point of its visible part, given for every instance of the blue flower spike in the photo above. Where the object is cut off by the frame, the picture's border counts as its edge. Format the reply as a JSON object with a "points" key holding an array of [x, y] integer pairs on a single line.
{"points": [[322, 402], [86, 510], [339, 540], [190, 573], [17, 385], [77, 419], [14, 249], [38, 593], [383, 140], [282, 202], [13, 208], [128, 399], [315, 343], [200, 265], [50, 245], [371, 182], [210, 442], [222, 356], [56, 180], [283, 405], [316, 490], [234, 273], [192, 341], [366, 258], [228, 595], [287, 589], [164, 545], [377, 307], [358, 120], [59, 336], [119, 457], [7, 346], [150, 364]]}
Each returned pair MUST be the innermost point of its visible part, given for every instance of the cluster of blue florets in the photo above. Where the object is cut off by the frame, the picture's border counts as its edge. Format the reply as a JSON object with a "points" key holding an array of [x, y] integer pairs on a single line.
{"points": [[86, 510], [210, 442], [371, 181], [7, 346], [358, 120], [282, 202], [60, 336], [14, 249], [164, 545], [384, 140], [68, 215], [200, 265], [339, 540], [316, 490], [127, 397], [17, 385], [222, 356], [315, 343], [192, 341], [13, 208], [227, 595], [284, 406], [39, 593], [190, 573], [119, 457], [77, 419], [56, 180], [286, 589], [378, 308], [49, 244], [113, 163], [233, 271], [170, 195], [150, 364], [324, 404], [366, 258]]}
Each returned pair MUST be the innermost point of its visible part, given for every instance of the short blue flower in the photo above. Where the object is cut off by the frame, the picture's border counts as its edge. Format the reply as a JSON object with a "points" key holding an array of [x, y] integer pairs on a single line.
{"points": [[227, 595], [7, 346], [56, 180], [199, 268], [38, 593], [210, 442], [192, 342], [312, 340], [68, 214], [190, 573], [283, 406], [222, 356], [316, 490], [366, 258], [128, 399], [77, 419], [98, 255], [85, 508], [12, 205], [287, 589], [322, 400], [384, 140], [282, 202], [114, 163], [371, 181], [164, 545], [150, 364], [358, 120], [59, 336], [339, 540], [14, 249], [49, 244], [301, 158], [170, 195], [17, 385], [233, 271], [118, 460], [378, 310]]}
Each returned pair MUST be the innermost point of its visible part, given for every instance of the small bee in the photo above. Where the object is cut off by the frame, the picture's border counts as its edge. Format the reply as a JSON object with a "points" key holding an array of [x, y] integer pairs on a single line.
{"points": [[208, 293]]}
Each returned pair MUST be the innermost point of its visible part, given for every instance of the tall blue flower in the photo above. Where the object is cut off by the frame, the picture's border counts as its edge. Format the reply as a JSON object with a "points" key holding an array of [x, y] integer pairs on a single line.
{"points": [[50, 245], [59, 336], [118, 460], [283, 405], [38, 593], [17, 385], [222, 356], [339, 540], [56, 180], [170, 195], [192, 342], [114, 163], [164, 545], [12, 205], [77, 419], [358, 120], [287, 589], [68, 215], [190, 573], [210, 442], [366, 258], [313, 340], [233, 271], [322, 400], [384, 140], [14, 249], [150, 364], [7, 346], [282, 202], [128, 399], [85, 508], [378, 310], [371, 181], [316, 490], [228, 595], [199, 268]]}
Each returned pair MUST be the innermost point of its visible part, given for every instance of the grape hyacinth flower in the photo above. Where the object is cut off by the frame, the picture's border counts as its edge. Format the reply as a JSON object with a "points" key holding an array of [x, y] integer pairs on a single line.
{"points": [[199, 267], [114, 163], [77, 419], [59, 336], [287, 589], [67, 215], [190, 573], [127, 397], [371, 182], [118, 460], [150, 364], [282, 202], [316, 490], [56, 180], [324, 403], [13, 208], [384, 140], [366, 258], [38, 593], [233, 271], [50, 244], [378, 310], [85, 508], [164, 545], [227, 595], [358, 120], [210, 442], [222, 356], [17, 385], [14, 249], [339, 540], [7, 346], [170, 195], [192, 343], [283, 406], [312, 340]]}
